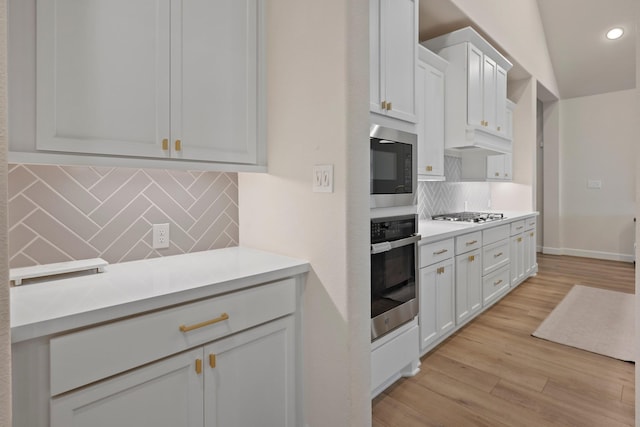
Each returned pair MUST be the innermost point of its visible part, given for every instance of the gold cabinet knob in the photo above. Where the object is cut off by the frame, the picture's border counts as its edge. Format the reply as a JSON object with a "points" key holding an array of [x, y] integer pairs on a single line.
{"points": [[497, 173], [429, 168]]}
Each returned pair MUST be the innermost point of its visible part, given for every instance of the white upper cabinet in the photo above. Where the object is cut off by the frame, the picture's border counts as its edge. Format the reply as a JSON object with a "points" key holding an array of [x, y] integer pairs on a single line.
{"points": [[393, 31], [151, 79], [430, 130], [476, 89]]}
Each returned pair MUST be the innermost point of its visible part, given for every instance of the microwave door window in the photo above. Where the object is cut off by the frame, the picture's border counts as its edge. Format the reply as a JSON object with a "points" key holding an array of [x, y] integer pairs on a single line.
{"points": [[391, 167]]}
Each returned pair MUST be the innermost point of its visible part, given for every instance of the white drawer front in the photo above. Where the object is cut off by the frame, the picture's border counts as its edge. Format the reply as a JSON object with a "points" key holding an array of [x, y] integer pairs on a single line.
{"points": [[517, 227], [494, 234], [530, 223], [436, 252], [494, 256], [494, 285], [89, 355], [468, 242]]}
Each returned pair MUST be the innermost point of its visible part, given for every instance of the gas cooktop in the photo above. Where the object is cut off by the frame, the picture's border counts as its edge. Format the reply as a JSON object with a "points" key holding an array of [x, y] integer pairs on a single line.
{"points": [[469, 217]]}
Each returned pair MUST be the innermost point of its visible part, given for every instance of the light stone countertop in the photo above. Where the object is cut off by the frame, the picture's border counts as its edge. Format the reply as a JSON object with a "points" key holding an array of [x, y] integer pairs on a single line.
{"points": [[433, 231], [131, 288]]}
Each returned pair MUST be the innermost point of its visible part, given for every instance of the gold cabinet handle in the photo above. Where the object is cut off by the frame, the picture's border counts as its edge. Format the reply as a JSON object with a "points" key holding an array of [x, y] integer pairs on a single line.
{"points": [[440, 252], [520, 228], [388, 106], [532, 224], [440, 270], [472, 258], [473, 242], [178, 145], [212, 360], [222, 317], [198, 366], [497, 173], [497, 283], [519, 239], [531, 234], [497, 255], [165, 144], [429, 168], [384, 105], [498, 127]]}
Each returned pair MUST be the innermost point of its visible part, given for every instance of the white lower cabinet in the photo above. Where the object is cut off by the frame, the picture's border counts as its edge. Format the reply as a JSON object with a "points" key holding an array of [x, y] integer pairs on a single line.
{"points": [[246, 379], [468, 285], [530, 255], [494, 285], [168, 393], [437, 293], [517, 249]]}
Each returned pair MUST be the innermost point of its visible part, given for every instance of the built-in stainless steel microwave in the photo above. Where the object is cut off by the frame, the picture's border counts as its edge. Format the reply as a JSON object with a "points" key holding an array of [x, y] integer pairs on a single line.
{"points": [[393, 167]]}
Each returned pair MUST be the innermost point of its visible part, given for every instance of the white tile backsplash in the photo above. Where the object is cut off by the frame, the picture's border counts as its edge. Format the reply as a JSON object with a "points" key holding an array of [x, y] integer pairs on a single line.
{"points": [[438, 197]]}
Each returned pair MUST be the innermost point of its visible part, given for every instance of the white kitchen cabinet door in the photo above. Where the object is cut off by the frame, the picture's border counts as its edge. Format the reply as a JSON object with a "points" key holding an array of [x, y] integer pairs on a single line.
{"points": [[468, 289], [393, 28], [214, 80], [517, 257], [167, 393], [437, 304], [475, 86], [499, 167], [249, 378], [103, 76], [152, 79], [489, 71], [430, 88], [501, 125], [530, 255]]}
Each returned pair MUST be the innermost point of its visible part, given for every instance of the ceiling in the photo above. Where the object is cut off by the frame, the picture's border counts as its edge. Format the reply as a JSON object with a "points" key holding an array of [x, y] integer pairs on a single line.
{"points": [[584, 61]]}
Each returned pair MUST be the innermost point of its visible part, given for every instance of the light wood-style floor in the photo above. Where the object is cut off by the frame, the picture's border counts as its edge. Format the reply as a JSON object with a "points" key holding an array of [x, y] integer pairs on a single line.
{"points": [[494, 373]]}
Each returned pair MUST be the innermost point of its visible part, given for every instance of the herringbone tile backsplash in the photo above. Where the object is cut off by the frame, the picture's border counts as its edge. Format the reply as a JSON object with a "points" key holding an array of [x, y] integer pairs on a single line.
{"points": [[435, 198], [62, 213]]}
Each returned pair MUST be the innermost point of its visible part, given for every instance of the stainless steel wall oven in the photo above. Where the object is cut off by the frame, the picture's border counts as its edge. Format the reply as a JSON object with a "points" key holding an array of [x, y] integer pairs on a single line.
{"points": [[394, 249]]}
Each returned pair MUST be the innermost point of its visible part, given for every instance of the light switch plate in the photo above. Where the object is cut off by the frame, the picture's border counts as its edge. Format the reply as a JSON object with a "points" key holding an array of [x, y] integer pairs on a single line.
{"points": [[595, 184], [323, 179]]}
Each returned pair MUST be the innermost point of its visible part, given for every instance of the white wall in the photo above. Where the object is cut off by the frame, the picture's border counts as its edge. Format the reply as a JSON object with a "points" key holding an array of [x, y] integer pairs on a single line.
{"points": [[597, 142], [5, 340], [318, 76]]}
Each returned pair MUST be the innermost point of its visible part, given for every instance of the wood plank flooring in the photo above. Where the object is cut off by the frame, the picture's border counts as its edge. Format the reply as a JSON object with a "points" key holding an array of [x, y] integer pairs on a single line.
{"points": [[494, 373]]}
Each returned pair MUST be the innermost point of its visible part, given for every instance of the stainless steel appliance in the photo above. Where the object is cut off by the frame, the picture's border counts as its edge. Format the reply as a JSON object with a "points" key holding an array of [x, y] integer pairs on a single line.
{"points": [[469, 217], [393, 160], [394, 248]]}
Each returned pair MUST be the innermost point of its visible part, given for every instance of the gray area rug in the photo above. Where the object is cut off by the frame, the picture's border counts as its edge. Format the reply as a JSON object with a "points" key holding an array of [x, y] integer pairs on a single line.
{"points": [[593, 319]]}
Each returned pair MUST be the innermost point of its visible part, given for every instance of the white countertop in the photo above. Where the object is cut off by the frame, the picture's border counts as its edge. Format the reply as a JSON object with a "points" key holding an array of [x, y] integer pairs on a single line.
{"points": [[433, 231], [133, 287]]}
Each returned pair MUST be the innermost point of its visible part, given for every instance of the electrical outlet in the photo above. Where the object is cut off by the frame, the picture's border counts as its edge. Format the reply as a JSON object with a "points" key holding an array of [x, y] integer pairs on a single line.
{"points": [[323, 178], [160, 236]]}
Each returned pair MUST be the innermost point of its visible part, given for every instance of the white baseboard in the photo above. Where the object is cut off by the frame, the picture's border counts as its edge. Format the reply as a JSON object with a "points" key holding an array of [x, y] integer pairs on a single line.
{"points": [[611, 256]]}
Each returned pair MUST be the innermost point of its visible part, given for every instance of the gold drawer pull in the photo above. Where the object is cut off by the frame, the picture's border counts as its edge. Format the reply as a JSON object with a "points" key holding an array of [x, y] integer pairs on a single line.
{"points": [[440, 252], [198, 366], [532, 224], [212, 360], [473, 242], [520, 228], [497, 283], [165, 144], [223, 316], [497, 255]]}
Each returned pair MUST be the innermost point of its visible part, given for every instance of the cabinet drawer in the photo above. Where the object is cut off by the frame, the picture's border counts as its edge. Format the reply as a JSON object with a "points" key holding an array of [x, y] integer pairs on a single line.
{"points": [[530, 223], [494, 285], [494, 234], [495, 256], [436, 252], [517, 227], [468, 242], [91, 354]]}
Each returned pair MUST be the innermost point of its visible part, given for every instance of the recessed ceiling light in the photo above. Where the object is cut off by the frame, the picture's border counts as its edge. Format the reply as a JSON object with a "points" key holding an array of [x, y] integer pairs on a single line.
{"points": [[615, 33]]}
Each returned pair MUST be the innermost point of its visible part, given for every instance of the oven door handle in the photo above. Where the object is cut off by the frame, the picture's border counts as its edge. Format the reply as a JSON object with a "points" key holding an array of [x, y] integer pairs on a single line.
{"points": [[378, 248]]}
